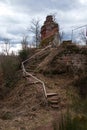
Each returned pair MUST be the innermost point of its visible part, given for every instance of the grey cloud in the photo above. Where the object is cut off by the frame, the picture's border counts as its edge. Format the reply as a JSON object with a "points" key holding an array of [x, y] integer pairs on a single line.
{"points": [[69, 13], [39, 5]]}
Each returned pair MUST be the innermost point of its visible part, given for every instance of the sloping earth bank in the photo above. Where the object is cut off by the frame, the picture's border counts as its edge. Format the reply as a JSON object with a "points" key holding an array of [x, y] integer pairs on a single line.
{"points": [[22, 109]]}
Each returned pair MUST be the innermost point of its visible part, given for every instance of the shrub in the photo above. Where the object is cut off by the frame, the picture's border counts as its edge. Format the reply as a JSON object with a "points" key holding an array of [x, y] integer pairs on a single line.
{"points": [[81, 84], [83, 50], [69, 48], [46, 41], [80, 106], [10, 66], [23, 54], [7, 116], [67, 122]]}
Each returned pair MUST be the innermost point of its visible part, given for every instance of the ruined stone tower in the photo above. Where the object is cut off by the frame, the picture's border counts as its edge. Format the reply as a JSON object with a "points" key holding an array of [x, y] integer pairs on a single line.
{"points": [[49, 32]]}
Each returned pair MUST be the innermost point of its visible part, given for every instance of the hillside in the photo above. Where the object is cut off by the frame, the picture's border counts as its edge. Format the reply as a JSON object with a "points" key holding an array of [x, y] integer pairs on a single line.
{"points": [[60, 68], [60, 60]]}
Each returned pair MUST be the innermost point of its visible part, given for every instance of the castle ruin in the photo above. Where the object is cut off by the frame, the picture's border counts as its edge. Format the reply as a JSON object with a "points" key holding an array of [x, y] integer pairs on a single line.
{"points": [[49, 32]]}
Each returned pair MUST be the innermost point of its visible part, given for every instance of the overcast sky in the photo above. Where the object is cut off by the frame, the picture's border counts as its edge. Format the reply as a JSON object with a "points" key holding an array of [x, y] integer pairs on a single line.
{"points": [[15, 15]]}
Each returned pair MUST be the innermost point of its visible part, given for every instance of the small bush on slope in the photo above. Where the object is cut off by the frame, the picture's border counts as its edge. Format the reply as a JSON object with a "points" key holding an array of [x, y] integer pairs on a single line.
{"points": [[9, 66]]}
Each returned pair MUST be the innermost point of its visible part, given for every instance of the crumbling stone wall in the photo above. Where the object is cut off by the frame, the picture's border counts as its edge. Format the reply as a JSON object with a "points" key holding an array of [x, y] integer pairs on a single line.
{"points": [[49, 31]]}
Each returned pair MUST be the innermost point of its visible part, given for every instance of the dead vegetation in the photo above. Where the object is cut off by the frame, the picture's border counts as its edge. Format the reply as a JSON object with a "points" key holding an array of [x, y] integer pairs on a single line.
{"points": [[60, 68]]}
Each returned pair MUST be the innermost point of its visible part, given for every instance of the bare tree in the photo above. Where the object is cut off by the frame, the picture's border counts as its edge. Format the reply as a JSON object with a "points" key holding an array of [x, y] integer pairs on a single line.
{"points": [[83, 36], [35, 29], [7, 46], [61, 35], [24, 42]]}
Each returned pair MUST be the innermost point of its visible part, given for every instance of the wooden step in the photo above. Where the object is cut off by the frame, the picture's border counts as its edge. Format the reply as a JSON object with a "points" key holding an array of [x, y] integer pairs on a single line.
{"points": [[51, 94], [26, 75]]}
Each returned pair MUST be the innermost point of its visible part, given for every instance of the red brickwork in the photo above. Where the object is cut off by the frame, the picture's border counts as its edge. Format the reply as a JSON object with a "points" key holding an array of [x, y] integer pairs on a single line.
{"points": [[49, 28]]}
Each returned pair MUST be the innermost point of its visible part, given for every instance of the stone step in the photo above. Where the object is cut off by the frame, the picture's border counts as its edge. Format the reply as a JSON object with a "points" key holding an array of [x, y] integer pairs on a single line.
{"points": [[30, 66], [33, 66], [55, 106], [30, 83], [29, 70], [53, 102], [51, 94], [53, 98], [26, 75]]}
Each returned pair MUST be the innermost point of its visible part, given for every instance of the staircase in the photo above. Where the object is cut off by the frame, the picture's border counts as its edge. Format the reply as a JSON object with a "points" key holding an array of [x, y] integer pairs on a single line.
{"points": [[51, 98]]}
